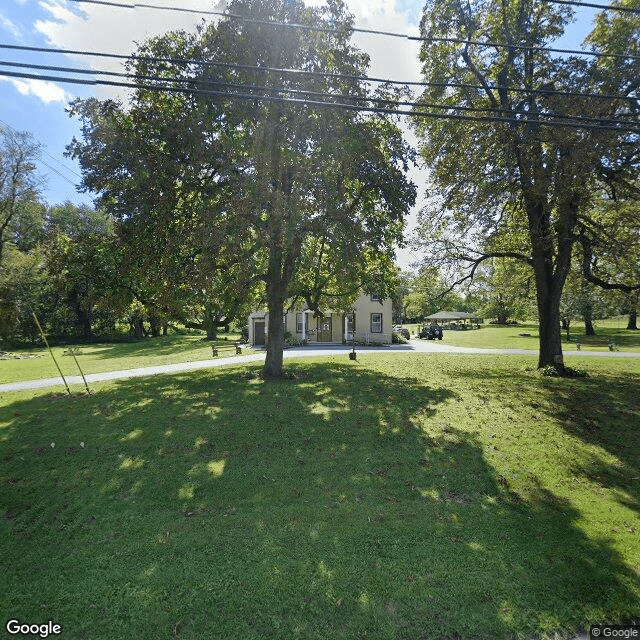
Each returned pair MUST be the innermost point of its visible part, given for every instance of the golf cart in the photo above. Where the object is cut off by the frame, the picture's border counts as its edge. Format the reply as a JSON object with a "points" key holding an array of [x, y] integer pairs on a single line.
{"points": [[431, 332]]}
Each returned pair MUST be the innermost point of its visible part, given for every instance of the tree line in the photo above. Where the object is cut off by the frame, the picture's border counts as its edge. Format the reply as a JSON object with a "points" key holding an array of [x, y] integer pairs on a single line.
{"points": [[229, 177], [503, 291], [543, 169]]}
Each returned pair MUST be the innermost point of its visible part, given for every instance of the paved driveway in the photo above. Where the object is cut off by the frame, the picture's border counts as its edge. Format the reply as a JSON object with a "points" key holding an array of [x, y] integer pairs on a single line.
{"points": [[415, 346]]}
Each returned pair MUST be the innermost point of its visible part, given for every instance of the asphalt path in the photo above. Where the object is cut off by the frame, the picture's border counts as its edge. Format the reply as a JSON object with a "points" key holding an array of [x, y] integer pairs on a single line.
{"points": [[415, 346]]}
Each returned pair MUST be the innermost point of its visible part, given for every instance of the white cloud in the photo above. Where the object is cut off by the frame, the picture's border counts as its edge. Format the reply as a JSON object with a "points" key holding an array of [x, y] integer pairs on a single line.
{"points": [[46, 91], [113, 30], [11, 27]]}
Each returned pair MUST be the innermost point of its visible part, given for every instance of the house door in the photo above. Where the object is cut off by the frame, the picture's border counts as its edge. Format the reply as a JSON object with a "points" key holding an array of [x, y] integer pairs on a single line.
{"points": [[258, 332], [324, 329]]}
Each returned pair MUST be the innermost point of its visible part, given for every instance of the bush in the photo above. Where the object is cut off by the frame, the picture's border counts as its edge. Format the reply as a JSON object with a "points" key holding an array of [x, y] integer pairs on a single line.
{"points": [[551, 372]]}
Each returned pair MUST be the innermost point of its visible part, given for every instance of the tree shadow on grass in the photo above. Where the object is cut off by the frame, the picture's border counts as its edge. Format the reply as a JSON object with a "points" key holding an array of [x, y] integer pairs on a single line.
{"points": [[221, 505], [604, 412], [156, 346], [601, 410]]}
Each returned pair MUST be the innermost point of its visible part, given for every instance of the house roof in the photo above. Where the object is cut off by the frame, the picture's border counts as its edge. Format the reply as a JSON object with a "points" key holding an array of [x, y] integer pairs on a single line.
{"points": [[452, 315]]}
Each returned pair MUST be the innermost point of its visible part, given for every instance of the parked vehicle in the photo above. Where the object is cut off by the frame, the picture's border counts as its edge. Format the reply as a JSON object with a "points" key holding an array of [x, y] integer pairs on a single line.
{"points": [[431, 332], [403, 331]]}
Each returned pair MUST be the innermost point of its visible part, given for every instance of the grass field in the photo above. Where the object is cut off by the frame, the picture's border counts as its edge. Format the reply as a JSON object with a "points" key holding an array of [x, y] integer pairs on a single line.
{"points": [[397, 497], [96, 358], [491, 336]]}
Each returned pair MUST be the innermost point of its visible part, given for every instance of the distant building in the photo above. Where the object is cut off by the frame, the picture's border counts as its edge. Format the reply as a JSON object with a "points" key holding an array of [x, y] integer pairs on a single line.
{"points": [[454, 316], [369, 321]]}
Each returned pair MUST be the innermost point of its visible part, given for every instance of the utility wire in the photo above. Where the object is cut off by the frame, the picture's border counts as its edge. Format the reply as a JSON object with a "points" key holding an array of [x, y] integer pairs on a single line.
{"points": [[6, 124], [71, 182], [199, 85], [607, 7], [300, 72], [317, 103], [295, 25], [523, 47]]}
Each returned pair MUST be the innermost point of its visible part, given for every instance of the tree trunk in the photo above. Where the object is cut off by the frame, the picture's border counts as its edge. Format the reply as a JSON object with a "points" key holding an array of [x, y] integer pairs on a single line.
{"points": [[550, 333], [275, 331], [549, 284], [85, 318], [156, 324], [212, 331], [210, 323], [633, 320], [548, 295], [588, 321], [550, 273], [137, 327]]}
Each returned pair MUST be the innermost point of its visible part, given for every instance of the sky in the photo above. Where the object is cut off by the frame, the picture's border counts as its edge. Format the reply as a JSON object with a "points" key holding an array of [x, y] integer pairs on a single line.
{"points": [[39, 107]]}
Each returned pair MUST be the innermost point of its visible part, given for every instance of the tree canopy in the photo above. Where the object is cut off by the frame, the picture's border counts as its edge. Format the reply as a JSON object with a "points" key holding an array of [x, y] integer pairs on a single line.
{"points": [[259, 189], [531, 138]]}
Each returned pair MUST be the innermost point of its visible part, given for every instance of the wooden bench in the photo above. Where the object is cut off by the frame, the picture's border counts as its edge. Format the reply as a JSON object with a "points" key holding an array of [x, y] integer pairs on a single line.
{"points": [[215, 349], [593, 341]]}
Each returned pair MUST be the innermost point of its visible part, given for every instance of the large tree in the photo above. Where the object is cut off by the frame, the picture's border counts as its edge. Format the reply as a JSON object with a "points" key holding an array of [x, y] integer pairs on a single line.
{"points": [[327, 190], [19, 182], [157, 167], [308, 199], [532, 136]]}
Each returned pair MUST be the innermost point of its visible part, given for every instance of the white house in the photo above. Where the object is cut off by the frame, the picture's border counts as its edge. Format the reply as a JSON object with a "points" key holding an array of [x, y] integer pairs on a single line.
{"points": [[370, 321]]}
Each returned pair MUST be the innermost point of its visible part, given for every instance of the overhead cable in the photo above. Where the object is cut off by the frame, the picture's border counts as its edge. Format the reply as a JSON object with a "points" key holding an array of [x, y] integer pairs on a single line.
{"points": [[625, 127], [606, 7], [296, 25], [301, 72], [64, 166], [199, 84]]}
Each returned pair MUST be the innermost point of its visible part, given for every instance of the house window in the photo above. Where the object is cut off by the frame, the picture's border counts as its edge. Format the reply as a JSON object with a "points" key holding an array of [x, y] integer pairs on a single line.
{"points": [[298, 323], [376, 323], [375, 297]]}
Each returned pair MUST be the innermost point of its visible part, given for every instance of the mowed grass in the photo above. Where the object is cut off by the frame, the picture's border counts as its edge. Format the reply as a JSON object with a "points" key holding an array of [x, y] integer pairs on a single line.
{"points": [[96, 358], [491, 336], [397, 497]]}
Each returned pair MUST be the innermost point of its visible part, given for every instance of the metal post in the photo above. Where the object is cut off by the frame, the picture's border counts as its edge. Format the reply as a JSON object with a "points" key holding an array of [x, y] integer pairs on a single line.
{"points": [[80, 370], [51, 352]]}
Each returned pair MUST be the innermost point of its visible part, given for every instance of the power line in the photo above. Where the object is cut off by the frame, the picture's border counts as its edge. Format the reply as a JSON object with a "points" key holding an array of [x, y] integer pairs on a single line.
{"points": [[607, 7], [523, 47], [295, 25], [71, 182], [202, 86], [300, 72], [6, 124], [625, 128]]}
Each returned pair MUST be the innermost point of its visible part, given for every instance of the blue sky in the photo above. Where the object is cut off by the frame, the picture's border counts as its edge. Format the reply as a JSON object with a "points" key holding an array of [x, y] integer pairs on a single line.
{"points": [[39, 107]]}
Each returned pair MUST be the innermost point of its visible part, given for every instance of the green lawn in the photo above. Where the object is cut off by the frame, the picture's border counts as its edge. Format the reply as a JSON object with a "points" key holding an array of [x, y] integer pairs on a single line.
{"points": [[96, 358], [491, 336], [397, 497]]}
